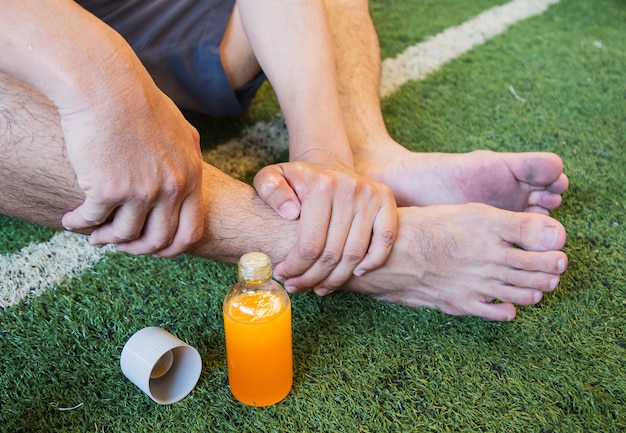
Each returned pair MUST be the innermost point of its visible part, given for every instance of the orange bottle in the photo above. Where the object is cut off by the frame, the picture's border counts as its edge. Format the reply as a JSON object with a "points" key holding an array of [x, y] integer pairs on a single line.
{"points": [[257, 324]]}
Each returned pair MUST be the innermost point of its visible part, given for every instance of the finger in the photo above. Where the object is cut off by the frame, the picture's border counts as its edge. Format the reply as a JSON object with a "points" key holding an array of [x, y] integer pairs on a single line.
{"points": [[319, 291], [157, 234], [88, 215], [312, 237], [158, 229], [384, 235], [346, 245], [273, 188], [127, 225], [354, 250], [190, 226]]}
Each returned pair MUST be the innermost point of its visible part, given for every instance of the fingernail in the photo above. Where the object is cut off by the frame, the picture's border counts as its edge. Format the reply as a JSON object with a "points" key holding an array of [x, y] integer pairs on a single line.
{"points": [[359, 272], [549, 236], [561, 265], [322, 292], [289, 210], [538, 296], [279, 278], [291, 289]]}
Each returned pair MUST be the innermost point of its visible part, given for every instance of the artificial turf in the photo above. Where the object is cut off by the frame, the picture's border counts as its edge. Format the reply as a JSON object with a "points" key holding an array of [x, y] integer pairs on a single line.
{"points": [[362, 365]]}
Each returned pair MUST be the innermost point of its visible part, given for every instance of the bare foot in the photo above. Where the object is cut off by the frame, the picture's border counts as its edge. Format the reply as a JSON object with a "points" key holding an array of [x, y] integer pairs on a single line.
{"points": [[461, 259], [531, 182]]}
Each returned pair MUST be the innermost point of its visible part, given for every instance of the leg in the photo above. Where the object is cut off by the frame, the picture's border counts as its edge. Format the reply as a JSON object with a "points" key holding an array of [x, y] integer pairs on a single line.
{"points": [[455, 258], [461, 258], [238, 59], [530, 181], [38, 183]]}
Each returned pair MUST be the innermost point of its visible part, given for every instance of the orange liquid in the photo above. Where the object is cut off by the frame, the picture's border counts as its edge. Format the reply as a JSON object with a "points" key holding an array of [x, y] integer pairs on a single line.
{"points": [[258, 347]]}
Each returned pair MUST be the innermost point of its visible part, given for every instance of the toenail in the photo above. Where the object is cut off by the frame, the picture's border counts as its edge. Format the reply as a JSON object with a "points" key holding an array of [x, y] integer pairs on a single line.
{"points": [[561, 265], [553, 283], [538, 296], [549, 236]]}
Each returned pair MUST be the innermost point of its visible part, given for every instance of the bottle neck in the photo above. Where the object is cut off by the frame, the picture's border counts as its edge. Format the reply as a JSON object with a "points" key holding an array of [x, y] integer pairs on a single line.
{"points": [[255, 268]]}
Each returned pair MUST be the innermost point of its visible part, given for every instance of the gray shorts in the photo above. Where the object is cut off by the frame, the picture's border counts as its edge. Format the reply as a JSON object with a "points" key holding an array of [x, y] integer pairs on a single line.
{"points": [[178, 42]]}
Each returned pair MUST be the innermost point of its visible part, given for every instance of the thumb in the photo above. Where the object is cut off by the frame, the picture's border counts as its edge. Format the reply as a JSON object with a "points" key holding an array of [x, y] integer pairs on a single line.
{"points": [[86, 216], [272, 186]]}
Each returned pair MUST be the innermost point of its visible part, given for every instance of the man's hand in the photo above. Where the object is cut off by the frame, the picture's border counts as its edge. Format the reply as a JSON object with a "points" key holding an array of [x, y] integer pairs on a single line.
{"points": [[135, 157], [138, 162], [348, 223]]}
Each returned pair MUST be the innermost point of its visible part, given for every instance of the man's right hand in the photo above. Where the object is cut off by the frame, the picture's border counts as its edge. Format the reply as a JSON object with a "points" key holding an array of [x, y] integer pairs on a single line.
{"points": [[135, 157], [139, 164]]}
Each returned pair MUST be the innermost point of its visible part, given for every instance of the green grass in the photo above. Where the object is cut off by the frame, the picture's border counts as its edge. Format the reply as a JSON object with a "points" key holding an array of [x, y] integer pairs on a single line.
{"points": [[16, 233], [363, 365], [401, 24]]}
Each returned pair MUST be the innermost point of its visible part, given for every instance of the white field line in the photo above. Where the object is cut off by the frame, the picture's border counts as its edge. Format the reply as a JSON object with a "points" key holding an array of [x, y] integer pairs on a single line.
{"points": [[418, 61], [38, 267]]}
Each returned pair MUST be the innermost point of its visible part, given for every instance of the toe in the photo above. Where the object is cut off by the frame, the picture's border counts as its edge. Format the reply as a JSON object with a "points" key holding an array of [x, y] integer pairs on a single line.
{"points": [[532, 232], [536, 280], [499, 312], [543, 200]]}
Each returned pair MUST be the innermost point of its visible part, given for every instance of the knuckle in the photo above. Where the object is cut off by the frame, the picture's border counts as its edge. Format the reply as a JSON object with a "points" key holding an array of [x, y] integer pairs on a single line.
{"points": [[517, 261], [510, 277], [310, 250], [194, 236], [355, 252], [268, 187], [174, 185], [351, 187], [353, 259], [195, 135], [387, 192], [159, 243], [187, 238], [93, 218], [329, 259], [387, 237], [125, 234], [331, 284], [107, 194], [324, 182]]}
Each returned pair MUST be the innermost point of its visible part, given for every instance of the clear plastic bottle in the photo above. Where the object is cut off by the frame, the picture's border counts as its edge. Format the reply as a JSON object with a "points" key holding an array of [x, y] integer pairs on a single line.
{"points": [[257, 324]]}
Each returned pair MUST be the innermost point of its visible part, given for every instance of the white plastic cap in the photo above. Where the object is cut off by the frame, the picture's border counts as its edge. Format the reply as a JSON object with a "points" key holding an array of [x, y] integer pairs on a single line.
{"points": [[161, 365]]}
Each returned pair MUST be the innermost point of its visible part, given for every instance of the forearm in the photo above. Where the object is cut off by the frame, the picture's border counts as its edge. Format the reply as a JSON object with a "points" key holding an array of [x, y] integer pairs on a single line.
{"points": [[61, 50], [291, 41]]}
